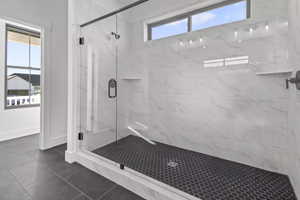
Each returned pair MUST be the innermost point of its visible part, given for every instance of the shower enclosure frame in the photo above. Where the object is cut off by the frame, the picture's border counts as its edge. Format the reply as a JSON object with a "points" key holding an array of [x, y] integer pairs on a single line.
{"points": [[134, 181], [130, 179]]}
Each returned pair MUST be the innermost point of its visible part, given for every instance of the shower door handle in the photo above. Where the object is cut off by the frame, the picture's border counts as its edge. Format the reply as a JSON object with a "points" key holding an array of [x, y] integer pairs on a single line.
{"points": [[295, 80], [112, 88]]}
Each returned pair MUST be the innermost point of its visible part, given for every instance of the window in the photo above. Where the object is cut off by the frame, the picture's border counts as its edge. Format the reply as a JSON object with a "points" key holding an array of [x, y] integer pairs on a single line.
{"points": [[23, 65], [169, 29], [218, 14]]}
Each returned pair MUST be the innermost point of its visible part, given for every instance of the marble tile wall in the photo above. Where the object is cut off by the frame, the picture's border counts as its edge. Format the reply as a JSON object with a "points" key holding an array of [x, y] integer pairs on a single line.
{"points": [[229, 112]]}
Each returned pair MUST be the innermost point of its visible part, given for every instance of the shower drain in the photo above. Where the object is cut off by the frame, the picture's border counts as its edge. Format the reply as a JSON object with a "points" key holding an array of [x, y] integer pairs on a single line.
{"points": [[172, 164]]}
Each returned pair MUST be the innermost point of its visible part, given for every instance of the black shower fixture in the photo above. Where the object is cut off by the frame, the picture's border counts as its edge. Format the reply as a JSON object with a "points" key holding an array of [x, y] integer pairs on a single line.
{"points": [[295, 80], [117, 36]]}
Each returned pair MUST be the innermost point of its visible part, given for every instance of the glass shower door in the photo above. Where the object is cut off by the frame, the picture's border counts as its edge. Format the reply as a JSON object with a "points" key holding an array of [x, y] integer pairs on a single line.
{"points": [[98, 96]]}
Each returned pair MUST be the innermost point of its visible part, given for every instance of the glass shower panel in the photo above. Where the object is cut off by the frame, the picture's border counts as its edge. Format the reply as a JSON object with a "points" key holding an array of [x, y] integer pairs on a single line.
{"points": [[132, 98], [183, 100], [98, 84]]}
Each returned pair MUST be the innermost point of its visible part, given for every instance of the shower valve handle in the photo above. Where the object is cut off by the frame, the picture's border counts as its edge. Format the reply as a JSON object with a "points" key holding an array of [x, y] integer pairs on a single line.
{"points": [[112, 85]]}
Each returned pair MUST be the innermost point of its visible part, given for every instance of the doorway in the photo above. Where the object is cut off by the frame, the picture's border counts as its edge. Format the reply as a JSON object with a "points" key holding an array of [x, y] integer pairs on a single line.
{"points": [[22, 75]]}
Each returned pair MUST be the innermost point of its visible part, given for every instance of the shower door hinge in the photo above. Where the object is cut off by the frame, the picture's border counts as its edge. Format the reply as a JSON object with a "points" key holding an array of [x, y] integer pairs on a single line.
{"points": [[122, 166], [81, 40], [80, 136]]}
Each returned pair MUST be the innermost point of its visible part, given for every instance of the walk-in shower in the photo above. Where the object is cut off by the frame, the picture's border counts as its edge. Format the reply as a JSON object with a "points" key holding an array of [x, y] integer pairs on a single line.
{"points": [[203, 114]]}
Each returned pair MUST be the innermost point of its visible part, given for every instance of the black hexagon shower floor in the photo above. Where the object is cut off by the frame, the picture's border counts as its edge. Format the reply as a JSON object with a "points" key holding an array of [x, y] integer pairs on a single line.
{"points": [[203, 176]]}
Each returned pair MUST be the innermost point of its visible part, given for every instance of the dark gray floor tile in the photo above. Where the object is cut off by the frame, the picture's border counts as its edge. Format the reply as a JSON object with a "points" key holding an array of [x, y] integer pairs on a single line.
{"points": [[46, 157], [53, 188], [10, 189], [20, 145], [9, 161], [91, 183], [6, 178], [17, 152], [64, 169], [81, 197], [120, 193], [28, 173], [32, 140], [13, 191], [32, 173], [61, 149], [55, 160]]}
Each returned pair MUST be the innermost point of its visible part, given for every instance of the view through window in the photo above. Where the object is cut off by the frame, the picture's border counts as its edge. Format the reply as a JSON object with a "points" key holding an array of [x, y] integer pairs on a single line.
{"points": [[23, 67], [214, 15]]}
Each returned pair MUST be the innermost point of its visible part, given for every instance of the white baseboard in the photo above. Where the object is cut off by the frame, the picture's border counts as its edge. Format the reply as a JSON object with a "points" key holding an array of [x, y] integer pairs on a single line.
{"points": [[54, 142], [18, 133], [70, 157], [295, 186]]}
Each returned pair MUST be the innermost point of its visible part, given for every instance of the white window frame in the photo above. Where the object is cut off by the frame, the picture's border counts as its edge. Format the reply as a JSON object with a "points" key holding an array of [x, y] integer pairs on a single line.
{"points": [[29, 32], [188, 15]]}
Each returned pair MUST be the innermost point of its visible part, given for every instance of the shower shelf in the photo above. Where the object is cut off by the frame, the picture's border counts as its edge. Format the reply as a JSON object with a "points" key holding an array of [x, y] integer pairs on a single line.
{"points": [[275, 72]]}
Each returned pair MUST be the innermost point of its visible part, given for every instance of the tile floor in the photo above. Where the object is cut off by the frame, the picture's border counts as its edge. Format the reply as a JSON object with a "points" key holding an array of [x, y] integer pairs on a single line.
{"points": [[203, 176], [27, 173]]}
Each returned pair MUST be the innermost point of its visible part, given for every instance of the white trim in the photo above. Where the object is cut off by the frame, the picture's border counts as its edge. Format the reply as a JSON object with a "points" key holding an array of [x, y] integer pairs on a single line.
{"points": [[22, 24], [177, 12], [70, 157], [138, 183], [53, 142], [182, 11], [43, 114], [18, 133], [73, 73]]}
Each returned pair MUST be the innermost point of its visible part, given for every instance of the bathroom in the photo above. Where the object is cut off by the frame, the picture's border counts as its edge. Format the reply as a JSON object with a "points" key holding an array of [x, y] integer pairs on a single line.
{"points": [[149, 110]]}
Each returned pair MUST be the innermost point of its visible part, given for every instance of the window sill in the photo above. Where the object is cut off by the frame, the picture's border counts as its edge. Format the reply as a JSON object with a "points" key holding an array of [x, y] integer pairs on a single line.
{"points": [[23, 106]]}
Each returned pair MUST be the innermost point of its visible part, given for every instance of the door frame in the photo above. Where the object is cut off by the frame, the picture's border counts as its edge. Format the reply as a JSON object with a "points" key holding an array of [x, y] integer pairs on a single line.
{"points": [[74, 48], [73, 78], [43, 114]]}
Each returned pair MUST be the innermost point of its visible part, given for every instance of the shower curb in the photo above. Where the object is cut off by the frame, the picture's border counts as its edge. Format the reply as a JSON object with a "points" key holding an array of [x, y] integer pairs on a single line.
{"points": [[140, 184]]}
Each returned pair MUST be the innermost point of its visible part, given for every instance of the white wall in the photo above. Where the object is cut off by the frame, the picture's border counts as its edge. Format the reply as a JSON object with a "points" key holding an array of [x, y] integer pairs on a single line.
{"points": [[51, 17]]}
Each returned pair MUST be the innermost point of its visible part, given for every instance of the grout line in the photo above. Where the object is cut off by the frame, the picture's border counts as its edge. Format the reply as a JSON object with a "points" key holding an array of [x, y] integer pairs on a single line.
{"points": [[79, 195], [66, 181], [107, 192], [78, 189], [17, 180]]}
